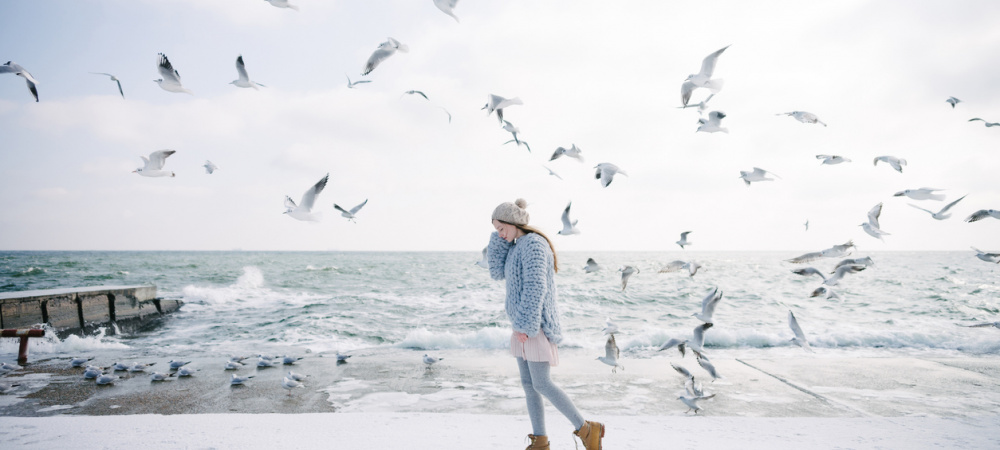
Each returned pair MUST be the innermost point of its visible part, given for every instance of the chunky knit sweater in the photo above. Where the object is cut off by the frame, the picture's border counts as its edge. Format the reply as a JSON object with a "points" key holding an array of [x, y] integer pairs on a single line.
{"points": [[527, 267]]}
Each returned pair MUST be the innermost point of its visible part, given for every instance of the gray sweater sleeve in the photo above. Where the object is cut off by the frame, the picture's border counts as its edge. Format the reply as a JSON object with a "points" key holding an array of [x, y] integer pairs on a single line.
{"points": [[496, 255], [534, 269]]}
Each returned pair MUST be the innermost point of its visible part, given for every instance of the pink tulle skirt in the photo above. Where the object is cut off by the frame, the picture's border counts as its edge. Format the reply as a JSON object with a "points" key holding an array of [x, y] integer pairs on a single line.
{"points": [[535, 349]]}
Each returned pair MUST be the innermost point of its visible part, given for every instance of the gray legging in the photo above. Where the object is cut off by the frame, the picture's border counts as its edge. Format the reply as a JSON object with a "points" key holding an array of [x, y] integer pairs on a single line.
{"points": [[536, 382]]}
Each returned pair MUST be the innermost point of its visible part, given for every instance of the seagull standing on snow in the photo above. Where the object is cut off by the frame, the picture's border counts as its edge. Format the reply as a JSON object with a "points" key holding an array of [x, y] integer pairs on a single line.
{"points": [[572, 152], [832, 159], [16, 69], [894, 162], [757, 175], [713, 124], [920, 194], [692, 402], [800, 337], [384, 50], [684, 239], [282, 4], [290, 384], [238, 380], [804, 117], [153, 166], [606, 172], [447, 7], [244, 81], [170, 80], [611, 355], [303, 211], [703, 79], [943, 213], [498, 103], [430, 360], [568, 226], [350, 214], [982, 214], [113, 78]]}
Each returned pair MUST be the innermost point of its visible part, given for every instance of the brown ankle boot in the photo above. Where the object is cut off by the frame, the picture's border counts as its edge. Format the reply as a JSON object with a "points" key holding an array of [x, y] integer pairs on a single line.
{"points": [[591, 433], [538, 442]]}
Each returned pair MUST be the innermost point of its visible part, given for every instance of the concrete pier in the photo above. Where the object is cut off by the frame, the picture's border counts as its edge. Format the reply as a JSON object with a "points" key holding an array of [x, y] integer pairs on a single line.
{"points": [[82, 309]]}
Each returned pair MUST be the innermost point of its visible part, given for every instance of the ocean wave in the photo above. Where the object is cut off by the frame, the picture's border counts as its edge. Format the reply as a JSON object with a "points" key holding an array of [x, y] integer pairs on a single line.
{"points": [[29, 272], [323, 268], [73, 344], [483, 338]]}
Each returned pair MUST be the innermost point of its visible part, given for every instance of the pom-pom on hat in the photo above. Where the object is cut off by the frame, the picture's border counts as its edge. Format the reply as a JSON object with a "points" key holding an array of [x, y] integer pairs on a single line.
{"points": [[512, 213]]}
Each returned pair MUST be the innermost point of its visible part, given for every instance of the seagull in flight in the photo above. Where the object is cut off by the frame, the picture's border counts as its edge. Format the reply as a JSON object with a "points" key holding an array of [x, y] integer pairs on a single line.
{"points": [[350, 214], [170, 78], [569, 227], [351, 84], [872, 226], [627, 272], [920, 194], [832, 159], [611, 355], [113, 78], [303, 211], [447, 7], [839, 273], [592, 266], [756, 175], [684, 239], [833, 252], [572, 152], [988, 124], [692, 402], [498, 103], [551, 172], [708, 305], [153, 166], [244, 81], [713, 124], [703, 79], [414, 92], [982, 214], [282, 4], [800, 337], [384, 50], [681, 347], [943, 213], [953, 101], [988, 257], [803, 116], [210, 167], [892, 161], [824, 291], [809, 271], [606, 172], [702, 105], [519, 143], [16, 69], [673, 266]]}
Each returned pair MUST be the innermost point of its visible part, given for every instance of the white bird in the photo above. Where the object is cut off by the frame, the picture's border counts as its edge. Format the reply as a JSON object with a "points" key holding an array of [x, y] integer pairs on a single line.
{"points": [[113, 78], [674, 266], [684, 239], [93, 372], [611, 355], [807, 225], [920, 194], [988, 124], [446, 112], [707, 365], [800, 337], [694, 388], [290, 384], [681, 347], [692, 402], [839, 273], [484, 262], [384, 50], [6, 367], [833, 252], [681, 370], [303, 211], [415, 92], [447, 7], [244, 80], [351, 84], [609, 327], [342, 357], [282, 4], [804, 117], [106, 379], [758, 174], [289, 360], [119, 367], [809, 271], [140, 367], [552, 172], [170, 79], [697, 341], [233, 365], [713, 123], [349, 214], [822, 291], [703, 79], [265, 363], [866, 261], [157, 376], [832, 159], [153, 166], [592, 266], [16, 69], [569, 227], [708, 305], [174, 365], [702, 105], [872, 226], [953, 101], [627, 272], [238, 380], [513, 130], [943, 213], [982, 214], [519, 143], [894, 162], [497, 103], [572, 152], [186, 371], [296, 376], [430, 360], [210, 167], [606, 172], [79, 362], [988, 257]]}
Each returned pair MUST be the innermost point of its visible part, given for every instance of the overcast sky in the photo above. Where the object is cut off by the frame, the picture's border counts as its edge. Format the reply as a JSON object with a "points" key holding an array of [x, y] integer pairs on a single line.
{"points": [[603, 75]]}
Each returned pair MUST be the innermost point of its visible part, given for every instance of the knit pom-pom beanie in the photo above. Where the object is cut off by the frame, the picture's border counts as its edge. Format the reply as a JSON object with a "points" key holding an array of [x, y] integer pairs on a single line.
{"points": [[512, 213]]}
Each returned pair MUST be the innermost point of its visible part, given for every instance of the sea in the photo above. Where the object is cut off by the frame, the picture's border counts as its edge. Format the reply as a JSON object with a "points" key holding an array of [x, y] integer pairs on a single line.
{"points": [[398, 304]]}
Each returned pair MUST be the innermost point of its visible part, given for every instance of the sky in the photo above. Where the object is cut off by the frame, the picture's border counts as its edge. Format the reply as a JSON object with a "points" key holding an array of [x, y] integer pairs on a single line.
{"points": [[604, 76]]}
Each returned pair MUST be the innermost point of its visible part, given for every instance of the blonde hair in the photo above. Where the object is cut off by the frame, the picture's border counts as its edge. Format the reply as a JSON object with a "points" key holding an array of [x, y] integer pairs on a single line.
{"points": [[527, 229]]}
